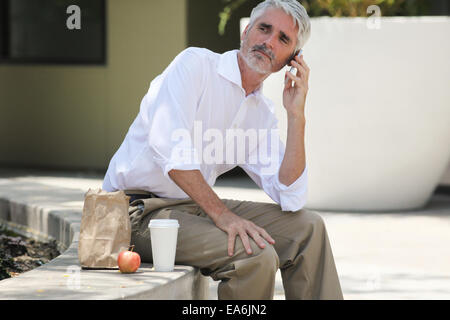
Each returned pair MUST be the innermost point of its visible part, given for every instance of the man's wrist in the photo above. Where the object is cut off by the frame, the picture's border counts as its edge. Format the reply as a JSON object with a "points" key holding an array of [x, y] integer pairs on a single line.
{"points": [[297, 115], [215, 213], [296, 119]]}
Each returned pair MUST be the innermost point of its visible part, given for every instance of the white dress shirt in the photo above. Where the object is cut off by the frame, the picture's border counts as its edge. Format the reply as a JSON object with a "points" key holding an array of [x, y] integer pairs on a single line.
{"points": [[201, 92]]}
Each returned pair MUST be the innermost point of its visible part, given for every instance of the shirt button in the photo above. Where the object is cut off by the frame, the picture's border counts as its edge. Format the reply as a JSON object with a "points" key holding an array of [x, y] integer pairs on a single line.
{"points": [[234, 126]]}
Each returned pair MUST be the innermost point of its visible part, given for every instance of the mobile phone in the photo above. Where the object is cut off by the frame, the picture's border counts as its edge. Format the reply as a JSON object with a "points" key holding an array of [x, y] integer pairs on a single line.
{"points": [[292, 69]]}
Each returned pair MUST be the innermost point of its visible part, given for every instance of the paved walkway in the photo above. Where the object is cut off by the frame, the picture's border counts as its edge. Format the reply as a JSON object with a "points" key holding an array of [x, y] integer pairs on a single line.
{"points": [[392, 255]]}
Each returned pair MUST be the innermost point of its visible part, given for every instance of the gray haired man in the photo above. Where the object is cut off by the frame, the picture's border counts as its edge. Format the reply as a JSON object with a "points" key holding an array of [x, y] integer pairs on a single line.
{"points": [[240, 243]]}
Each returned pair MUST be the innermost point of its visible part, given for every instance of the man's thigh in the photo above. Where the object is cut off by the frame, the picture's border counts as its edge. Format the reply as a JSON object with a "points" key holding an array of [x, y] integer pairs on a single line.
{"points": [[285, 227], [270, 216]]}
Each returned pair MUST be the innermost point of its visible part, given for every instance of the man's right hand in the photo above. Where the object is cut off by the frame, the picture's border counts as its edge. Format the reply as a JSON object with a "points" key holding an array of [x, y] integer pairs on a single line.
{"points": [[234, 226]]}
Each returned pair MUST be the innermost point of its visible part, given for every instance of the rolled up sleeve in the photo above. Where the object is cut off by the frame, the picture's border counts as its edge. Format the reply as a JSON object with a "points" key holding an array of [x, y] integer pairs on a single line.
{"points": [[293, 197]]}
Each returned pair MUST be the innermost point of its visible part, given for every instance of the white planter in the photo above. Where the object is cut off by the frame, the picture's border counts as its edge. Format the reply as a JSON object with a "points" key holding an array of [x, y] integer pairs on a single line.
{"points": [[378, 112], [445, 179]]}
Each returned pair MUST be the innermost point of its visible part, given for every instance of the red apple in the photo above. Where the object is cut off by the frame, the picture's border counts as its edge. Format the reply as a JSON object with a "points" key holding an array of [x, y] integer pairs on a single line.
{"points": [[129, 261]]}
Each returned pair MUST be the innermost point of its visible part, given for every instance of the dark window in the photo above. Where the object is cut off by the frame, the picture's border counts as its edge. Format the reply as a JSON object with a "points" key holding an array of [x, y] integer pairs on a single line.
{"points": [[37, 31]]}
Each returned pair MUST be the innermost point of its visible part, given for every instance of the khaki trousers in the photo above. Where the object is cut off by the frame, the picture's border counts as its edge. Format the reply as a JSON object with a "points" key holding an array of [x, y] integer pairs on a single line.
{"points": [[302, 250]]}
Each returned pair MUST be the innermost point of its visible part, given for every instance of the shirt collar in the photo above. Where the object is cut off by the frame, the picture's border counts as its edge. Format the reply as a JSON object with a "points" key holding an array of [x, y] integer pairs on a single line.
{"points": [[228, 67]]}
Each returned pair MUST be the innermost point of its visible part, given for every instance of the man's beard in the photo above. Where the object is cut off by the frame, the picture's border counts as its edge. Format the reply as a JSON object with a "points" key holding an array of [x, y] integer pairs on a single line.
{"points": [[256, 62]]}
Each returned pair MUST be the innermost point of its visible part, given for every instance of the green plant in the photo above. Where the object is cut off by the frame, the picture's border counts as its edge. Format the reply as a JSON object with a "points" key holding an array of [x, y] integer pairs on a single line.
{"points": [[340, 8]]}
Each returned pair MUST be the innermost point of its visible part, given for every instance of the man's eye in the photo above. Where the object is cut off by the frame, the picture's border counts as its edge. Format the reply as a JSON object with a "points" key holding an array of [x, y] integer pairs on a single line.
{"points": [[284, 40], [262, 28]]}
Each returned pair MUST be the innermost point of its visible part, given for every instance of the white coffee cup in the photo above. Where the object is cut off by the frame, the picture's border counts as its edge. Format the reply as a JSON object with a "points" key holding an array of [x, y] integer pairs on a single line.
{"points": [[164, 233]]}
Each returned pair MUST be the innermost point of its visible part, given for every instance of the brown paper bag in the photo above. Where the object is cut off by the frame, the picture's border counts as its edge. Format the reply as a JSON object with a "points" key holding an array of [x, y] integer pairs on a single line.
{"points": [[105, 229]]}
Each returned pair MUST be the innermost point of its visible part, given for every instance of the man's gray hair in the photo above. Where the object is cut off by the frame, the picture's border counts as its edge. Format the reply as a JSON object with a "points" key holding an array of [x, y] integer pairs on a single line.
{"points": [[294, 9]]}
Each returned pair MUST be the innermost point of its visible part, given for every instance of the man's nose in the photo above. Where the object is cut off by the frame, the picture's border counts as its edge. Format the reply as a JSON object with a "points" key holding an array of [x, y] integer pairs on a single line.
{"points": [[270, 41]]}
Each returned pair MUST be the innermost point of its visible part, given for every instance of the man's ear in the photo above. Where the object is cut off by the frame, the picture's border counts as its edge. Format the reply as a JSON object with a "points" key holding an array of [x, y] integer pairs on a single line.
{"points": [[244, 32]]}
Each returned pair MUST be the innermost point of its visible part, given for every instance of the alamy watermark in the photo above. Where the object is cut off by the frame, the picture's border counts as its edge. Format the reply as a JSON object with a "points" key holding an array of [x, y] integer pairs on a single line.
{"points": [[238, 146], [73, 277], [374, 21], [74, 20]]}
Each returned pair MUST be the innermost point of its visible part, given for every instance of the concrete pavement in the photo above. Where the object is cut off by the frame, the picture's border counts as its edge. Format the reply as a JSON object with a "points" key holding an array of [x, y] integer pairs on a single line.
{"points": [[392, 255]]}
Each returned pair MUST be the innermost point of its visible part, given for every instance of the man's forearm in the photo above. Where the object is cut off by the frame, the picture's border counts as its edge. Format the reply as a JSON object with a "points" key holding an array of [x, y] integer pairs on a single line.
{"points": [[294, 161], [195, 186]]}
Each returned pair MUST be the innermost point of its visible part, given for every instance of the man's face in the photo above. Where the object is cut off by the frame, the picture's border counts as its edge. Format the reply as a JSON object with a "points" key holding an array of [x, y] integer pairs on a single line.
{"points": [[270, 41]]}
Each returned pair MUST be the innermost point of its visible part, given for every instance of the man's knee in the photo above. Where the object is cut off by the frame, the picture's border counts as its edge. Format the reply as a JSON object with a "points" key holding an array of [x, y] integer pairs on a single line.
{"points": [[267, 258], [303, 224], [264, 258], [312, 217]]}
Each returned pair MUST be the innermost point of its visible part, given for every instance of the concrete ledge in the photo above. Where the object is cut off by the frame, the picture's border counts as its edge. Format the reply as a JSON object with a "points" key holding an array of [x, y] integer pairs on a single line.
{"points": [[44, 213]]}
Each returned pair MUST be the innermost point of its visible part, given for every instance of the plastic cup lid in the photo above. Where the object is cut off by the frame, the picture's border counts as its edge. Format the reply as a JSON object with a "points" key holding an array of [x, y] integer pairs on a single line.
{"points": [[163, 223]]}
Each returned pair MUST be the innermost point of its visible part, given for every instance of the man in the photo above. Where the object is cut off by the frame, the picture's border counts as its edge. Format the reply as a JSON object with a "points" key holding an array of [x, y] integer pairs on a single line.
{"points": [[241, 243]]}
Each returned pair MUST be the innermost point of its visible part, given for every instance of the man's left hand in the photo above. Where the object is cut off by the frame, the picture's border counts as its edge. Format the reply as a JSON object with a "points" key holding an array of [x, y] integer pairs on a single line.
{"points": [[296, 88]]}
